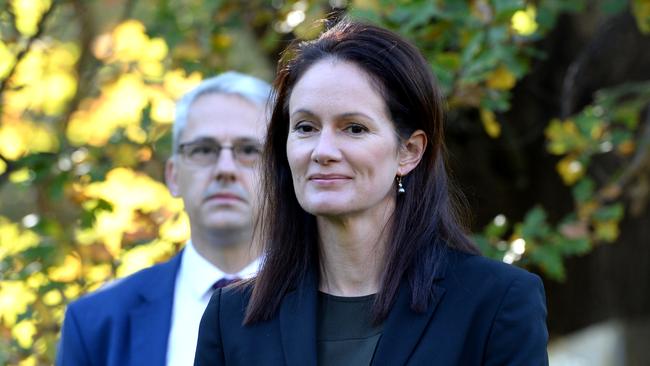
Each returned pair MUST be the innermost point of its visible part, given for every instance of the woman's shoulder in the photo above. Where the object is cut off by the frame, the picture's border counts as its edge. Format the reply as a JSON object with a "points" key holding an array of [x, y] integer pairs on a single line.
{"points": [[481, 270], [237, 295]]}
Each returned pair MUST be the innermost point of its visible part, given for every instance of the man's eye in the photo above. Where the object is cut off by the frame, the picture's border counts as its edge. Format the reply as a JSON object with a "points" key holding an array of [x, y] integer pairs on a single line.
{"points": [[248, 149], [202, 150]]}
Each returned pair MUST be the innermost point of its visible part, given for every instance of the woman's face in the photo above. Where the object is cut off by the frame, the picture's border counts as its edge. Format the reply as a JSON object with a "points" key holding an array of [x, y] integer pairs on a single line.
{"points": [[342, 146]]}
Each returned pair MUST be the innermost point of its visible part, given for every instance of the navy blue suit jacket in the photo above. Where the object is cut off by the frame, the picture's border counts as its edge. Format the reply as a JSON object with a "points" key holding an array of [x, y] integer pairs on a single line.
{"points": [[484, 313], [125, 323]]}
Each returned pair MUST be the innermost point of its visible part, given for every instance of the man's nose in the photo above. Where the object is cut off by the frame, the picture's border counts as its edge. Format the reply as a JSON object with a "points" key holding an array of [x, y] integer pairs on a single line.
{"points": [[226, 166]]}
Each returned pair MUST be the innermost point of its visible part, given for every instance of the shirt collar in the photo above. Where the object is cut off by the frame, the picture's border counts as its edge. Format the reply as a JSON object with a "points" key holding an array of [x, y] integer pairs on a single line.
{"points": [[199, 274]]}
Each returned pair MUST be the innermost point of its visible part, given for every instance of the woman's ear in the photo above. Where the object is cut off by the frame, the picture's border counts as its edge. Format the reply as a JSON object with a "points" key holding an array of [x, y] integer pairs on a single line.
{"points": [[411, 152]]}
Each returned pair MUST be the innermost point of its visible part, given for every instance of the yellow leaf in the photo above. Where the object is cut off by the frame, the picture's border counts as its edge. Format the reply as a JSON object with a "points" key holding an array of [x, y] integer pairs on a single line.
{"points": [[52, 297], [3, 167], [120, 105], [143, 256], [59, 88], [15, 297], [68, 271], [606, 230], [7, 60], [131, 194], [130, 41], [37, 280], [570, 170], [490, 124], [177, 230], [24, 332], [28, 13], [72, 291], [14, 239], [12, 145], [162, 110], [151, 69], [177, 83], [99, 273], [20, 137], [136, 134], [157, 49], [29, 361], [21, 176], [641, 11], [523, 21], [501, 79]]}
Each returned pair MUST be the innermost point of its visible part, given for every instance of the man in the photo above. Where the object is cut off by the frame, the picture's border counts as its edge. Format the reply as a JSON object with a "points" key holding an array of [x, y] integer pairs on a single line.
{"points": [[152, 317]]}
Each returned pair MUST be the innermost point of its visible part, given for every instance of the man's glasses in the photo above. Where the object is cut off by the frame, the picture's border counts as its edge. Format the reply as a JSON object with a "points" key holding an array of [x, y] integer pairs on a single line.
{"points": [[207, 152]]}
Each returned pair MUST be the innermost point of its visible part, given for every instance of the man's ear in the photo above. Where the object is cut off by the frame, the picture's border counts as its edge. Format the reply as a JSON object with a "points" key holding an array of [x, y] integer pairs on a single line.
{"points": [[411, 152], [171, 176]]}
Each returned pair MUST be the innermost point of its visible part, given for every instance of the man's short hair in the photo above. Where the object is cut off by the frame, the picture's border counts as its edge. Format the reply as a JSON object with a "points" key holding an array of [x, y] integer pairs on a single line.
{"points": [[248, 87]]}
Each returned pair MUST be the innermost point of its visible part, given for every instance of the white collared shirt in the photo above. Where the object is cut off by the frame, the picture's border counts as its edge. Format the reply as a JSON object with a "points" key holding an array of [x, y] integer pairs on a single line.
{"points": [[191, 296]]}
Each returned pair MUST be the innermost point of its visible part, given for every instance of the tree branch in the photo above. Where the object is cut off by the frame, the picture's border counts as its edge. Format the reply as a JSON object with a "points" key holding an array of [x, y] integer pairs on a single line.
{"points": [[640, 161], [28, 46], [10, 168]]}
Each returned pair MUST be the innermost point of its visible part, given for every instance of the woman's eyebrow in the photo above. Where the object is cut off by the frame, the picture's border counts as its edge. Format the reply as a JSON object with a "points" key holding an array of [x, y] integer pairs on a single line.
{"points": [[302, 111], [354, 114], [307, 112]]}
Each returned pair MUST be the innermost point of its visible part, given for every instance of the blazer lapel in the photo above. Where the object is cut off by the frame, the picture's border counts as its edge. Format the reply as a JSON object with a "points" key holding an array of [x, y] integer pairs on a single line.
{"points": [[298, 324], [150, 322], [404, 327]]}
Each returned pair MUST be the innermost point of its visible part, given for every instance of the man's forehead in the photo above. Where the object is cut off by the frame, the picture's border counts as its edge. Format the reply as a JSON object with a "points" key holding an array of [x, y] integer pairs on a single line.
{"points": [[225, 117], [217, 140]]}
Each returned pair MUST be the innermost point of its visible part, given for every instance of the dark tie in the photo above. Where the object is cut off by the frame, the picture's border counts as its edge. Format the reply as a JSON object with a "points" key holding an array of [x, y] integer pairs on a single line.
{"points": [[224, 282]]}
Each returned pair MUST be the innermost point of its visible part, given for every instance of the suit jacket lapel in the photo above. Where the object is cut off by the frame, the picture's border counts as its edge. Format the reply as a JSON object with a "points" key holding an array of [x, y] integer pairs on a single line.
{"points": [[150, 322], [404, 327], [298, 324]]}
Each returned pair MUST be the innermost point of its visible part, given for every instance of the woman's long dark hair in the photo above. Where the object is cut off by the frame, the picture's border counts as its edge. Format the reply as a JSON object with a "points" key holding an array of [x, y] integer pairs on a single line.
{"points": [[425, 218]]}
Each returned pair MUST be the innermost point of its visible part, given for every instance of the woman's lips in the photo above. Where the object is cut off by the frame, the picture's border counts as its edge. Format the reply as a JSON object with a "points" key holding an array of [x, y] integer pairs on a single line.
{"points": [[328, 179]]}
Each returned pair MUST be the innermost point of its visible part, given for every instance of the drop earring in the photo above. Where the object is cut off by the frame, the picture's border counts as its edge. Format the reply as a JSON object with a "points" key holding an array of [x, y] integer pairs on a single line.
{"points": [[400, 187]]}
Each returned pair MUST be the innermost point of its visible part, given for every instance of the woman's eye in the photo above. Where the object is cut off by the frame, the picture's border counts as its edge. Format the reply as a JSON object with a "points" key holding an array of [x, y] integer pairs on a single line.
{"points": [[356, 129], [304, 128]]}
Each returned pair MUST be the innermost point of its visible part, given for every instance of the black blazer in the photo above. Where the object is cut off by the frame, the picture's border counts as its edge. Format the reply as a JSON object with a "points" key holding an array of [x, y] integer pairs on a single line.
{"points": [[484, 313]]}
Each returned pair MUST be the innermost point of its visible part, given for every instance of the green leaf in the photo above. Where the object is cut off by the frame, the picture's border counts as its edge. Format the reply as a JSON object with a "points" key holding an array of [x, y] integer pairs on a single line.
{"points": [[574, 246], [583, 191], [610, 213], [534, 224], [505, 8], [549, 259]]}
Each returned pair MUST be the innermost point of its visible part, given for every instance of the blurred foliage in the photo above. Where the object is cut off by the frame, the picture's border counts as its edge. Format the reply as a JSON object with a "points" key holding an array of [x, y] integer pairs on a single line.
{"points": [[88, 90]]}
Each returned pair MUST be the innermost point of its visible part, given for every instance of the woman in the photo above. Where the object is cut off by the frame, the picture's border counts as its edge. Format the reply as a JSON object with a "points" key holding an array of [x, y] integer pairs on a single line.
{"points": [[366, 262]]}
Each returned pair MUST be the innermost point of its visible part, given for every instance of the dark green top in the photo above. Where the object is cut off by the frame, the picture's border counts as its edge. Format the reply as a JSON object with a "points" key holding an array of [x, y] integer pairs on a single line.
{"points": [[345, 335]]}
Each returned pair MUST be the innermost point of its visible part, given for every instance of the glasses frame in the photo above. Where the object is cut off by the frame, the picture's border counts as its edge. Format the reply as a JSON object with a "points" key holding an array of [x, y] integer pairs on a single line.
{"points": [[235, 150]]}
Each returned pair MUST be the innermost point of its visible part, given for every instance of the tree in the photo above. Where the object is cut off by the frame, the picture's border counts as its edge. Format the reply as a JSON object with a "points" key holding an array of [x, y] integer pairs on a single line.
{"points": [[88, 90]]}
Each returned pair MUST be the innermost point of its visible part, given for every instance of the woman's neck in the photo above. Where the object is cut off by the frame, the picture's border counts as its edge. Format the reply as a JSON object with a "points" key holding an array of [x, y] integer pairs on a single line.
{"points": [[352, 252]]}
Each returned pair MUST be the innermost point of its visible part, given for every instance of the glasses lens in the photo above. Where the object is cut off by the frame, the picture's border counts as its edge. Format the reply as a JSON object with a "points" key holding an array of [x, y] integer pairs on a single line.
{"points": [[203, 154], [200, 154], [247, 153]]}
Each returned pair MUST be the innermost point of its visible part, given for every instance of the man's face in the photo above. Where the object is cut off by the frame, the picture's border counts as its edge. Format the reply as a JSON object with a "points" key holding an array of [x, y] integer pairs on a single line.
{"points": [[219, 193]]}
